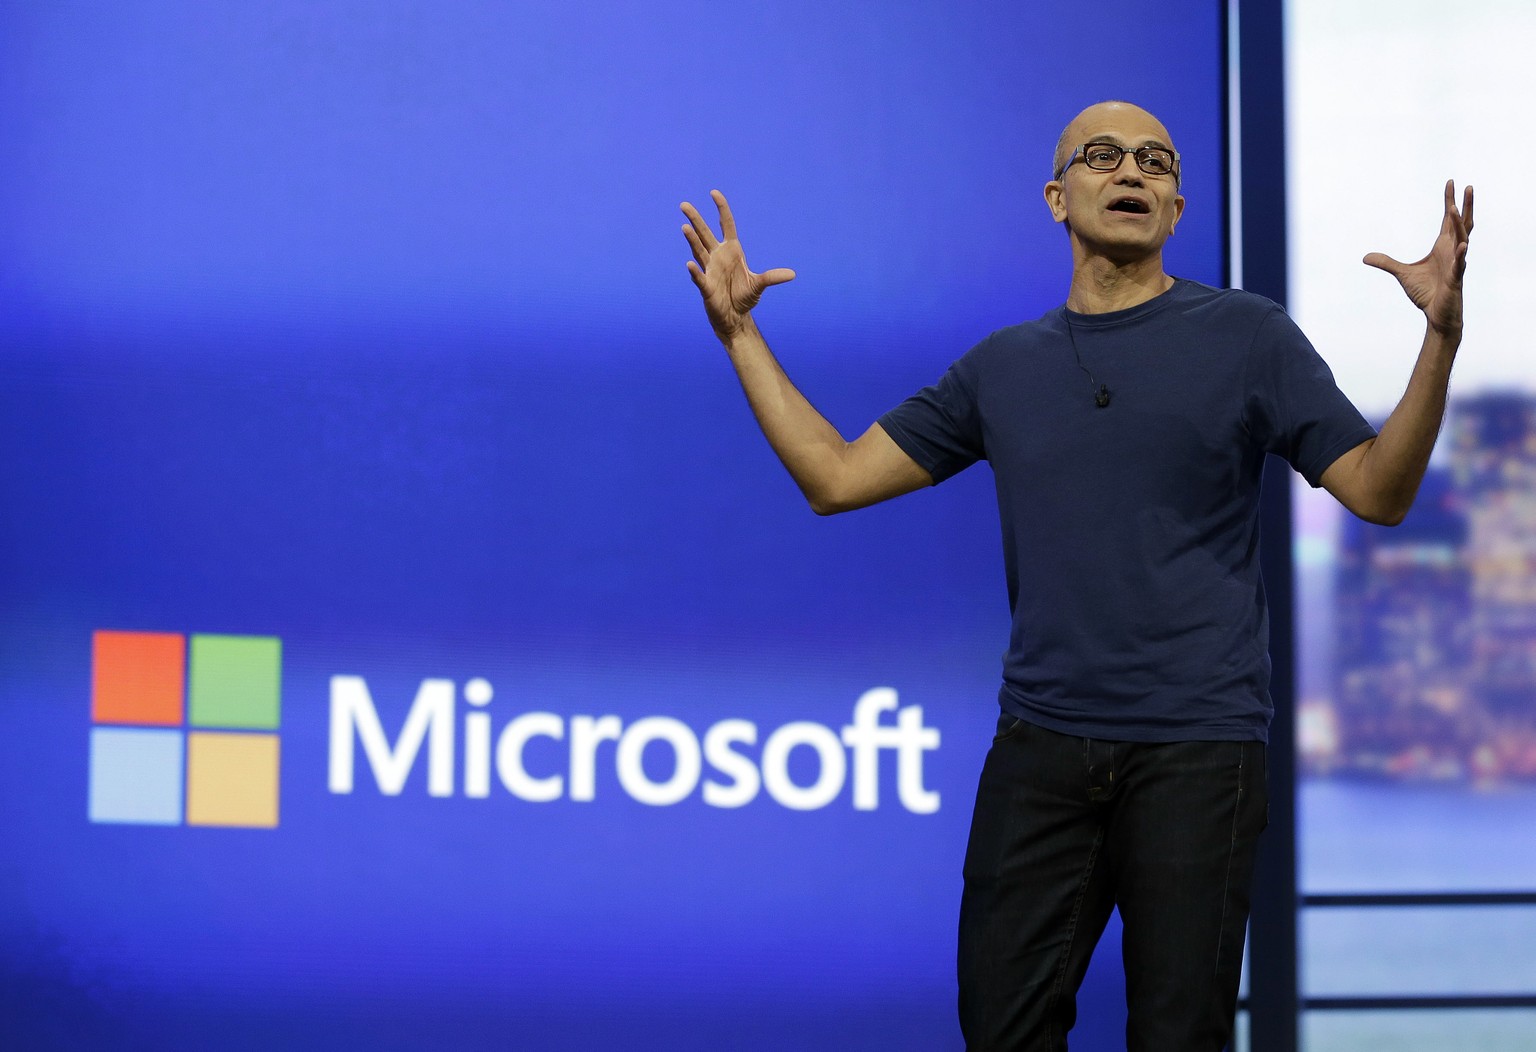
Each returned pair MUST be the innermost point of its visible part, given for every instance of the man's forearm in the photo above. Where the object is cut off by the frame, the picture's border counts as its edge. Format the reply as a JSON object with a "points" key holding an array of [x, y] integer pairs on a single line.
{"points": [[1395, 463], [810, 447]]}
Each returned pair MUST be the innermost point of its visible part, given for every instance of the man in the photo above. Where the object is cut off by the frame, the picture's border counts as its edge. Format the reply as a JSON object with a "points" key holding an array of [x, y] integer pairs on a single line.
{"points": [[1127, 432]]}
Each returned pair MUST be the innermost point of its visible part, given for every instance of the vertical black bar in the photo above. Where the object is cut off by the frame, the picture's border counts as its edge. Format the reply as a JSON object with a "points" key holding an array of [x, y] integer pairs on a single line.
{"points": [[1273, 996], [1228, 143], [1261, 110]]}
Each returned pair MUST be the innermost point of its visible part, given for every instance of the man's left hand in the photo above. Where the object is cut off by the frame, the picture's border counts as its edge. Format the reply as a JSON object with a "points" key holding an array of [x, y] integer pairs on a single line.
{"points": [[1434, 282]]}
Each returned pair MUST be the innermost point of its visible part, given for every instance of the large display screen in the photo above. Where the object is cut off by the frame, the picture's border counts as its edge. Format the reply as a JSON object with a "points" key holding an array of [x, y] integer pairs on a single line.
{"points": [[407, 640], [1417, 664]]}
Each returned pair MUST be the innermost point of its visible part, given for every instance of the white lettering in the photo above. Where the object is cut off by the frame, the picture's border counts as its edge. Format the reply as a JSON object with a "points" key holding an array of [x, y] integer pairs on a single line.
{"points": [[509, 757], [915, 738], [745, 782], [866, 736], [477, 741], [736, 778], [477, 754], [829, 780], [586, 734], [685, 771], [431, 714]]}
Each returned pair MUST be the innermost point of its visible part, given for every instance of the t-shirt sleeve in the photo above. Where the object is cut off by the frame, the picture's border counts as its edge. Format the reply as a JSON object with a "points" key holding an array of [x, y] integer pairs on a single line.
{"points": [[1294, 408], [940, 426]]}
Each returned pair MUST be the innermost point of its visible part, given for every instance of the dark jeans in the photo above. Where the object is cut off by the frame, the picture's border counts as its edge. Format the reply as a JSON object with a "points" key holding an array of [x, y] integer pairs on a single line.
{"points": [[1065, 830]]}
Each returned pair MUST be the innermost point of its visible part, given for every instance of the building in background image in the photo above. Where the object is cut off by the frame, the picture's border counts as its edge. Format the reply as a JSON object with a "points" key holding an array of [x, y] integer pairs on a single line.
{"points": [[1434, 622]]}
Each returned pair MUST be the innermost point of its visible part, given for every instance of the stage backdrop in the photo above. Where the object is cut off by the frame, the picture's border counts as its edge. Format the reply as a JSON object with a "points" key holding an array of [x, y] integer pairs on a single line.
{"points": [[406, 638], [1417, 656]]}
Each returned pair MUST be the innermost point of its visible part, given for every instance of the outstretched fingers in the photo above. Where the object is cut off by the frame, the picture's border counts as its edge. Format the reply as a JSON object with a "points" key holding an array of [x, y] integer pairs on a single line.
{"points": [[700, 253], [727, 221], [1452, 224], [1458, 222], [718, 267], [705, 235], [1466, 233], [1455, 232]]}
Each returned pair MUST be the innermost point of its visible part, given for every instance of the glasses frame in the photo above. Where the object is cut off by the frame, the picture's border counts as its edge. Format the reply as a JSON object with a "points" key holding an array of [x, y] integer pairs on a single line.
{"points": [[1139, 153]]}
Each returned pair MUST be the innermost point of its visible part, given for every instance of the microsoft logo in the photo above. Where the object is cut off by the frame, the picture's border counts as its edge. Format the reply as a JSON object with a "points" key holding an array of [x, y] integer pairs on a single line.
{"points": [[146, 687]]}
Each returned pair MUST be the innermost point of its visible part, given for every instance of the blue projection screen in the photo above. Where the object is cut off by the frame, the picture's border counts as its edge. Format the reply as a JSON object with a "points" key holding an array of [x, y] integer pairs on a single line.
{"points": [[407, 640]]}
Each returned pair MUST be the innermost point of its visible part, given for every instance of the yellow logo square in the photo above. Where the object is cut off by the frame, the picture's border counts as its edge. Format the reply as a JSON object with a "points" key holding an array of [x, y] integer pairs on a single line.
{"points": [[232, 779]]}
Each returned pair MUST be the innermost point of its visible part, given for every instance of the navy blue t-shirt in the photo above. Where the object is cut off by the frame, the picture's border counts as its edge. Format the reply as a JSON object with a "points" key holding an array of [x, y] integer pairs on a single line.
{"points": [[1130, 532]]}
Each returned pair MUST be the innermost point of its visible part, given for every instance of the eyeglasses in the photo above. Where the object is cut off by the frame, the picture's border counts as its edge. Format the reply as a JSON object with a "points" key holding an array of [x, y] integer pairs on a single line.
{"points": [[1106, 157]]}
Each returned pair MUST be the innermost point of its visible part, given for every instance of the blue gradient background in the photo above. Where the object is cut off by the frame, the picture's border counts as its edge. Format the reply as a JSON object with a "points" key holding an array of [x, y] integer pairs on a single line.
{"points": [[366, 325]]}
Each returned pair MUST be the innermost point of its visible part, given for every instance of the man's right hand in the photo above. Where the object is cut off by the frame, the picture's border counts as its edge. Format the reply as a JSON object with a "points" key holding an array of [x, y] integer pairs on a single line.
{"points": [[833, 474], [719, 269]]}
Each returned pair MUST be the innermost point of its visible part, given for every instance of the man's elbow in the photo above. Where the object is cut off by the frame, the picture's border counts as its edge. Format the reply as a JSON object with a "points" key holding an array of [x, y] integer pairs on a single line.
{"points": [[834, 499], [1384, 513], [826, 505], [821, 497], [831, 493]]}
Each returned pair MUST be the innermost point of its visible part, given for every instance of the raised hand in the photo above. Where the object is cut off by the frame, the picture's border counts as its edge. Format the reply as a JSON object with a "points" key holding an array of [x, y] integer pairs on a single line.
{"points": [[1434, 282], [719, 269]]}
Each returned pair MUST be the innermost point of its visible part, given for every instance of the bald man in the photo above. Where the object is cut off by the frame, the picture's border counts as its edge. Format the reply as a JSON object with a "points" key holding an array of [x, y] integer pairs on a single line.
{"points": [[1127, 431]]}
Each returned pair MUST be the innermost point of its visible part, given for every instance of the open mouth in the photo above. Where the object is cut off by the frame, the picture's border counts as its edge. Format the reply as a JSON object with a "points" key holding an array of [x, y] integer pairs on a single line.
{"points": [[1131, 205]]}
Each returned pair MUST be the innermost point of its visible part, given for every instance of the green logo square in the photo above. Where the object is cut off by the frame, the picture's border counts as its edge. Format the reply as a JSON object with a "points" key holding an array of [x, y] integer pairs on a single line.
{"points": [[235, 681]]}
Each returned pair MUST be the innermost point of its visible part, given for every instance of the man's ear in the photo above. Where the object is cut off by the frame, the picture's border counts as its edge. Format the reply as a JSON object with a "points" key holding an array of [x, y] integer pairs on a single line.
{"points": [[1178, 210], [1054, 200]]}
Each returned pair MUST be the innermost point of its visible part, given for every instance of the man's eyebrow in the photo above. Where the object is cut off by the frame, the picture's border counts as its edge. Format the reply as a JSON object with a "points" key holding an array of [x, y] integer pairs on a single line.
{"points": [[1115, 140]]}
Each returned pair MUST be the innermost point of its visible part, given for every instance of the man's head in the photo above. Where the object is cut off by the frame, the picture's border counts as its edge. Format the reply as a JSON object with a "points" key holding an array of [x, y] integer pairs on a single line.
{"points": [[1122, 211]]}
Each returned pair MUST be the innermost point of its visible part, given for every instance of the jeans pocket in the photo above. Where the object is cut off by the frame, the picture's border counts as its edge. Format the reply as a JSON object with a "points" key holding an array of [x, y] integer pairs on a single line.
{"points": [[1007, 726]]}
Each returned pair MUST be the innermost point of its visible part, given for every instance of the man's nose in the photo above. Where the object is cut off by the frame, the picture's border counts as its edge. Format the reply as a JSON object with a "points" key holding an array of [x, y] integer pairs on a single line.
{"points": [[1129, 172]]}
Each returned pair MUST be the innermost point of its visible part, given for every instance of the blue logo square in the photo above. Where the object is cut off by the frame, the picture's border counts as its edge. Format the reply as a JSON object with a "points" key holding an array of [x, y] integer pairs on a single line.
{"points": [[136, 775]]}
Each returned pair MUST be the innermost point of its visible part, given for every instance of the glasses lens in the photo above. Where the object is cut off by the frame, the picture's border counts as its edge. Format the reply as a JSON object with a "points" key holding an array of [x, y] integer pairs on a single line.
{"points": [[1154, 161], [1102, 156]]}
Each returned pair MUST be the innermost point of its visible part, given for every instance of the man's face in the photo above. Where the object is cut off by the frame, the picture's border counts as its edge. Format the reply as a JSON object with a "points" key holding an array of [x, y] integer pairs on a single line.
{"points": [[1126, 214]]}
